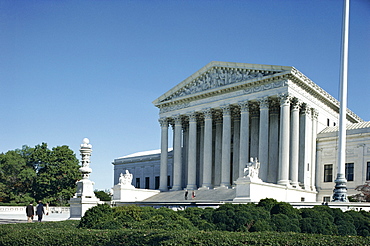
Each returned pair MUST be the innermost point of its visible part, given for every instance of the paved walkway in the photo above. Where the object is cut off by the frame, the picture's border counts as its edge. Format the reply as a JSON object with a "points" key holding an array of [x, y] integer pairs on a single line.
{"points": [[6, 218]]}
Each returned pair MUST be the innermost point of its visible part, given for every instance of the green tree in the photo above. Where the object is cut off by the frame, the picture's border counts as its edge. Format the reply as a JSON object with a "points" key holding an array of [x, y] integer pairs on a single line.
{"points": [[30, 174], [57, 173], [16, 178]]}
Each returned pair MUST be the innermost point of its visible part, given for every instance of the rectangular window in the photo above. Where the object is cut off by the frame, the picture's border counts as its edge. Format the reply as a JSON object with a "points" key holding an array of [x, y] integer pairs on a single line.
{"points": [[328, 173], [156, 186], [349, 171], [137, 183], [168, 181], [147, 183], [368, 171]]}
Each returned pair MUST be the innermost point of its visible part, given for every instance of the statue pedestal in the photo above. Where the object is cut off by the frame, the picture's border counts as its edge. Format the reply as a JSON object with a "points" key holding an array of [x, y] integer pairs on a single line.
{"points": [[128, 193], [78, 206], [83, 199], [252, 190]]}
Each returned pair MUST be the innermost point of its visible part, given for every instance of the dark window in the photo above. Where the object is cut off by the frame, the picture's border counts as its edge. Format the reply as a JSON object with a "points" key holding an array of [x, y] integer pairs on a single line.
{"points": [[156, 183], [137, 183], [168, 181], [368, 171], [147, 183], [328, 173], [349, 171]]}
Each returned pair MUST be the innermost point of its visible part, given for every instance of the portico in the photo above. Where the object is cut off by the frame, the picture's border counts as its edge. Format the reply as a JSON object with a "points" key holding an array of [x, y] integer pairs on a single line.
{"points": [[228, 112]]}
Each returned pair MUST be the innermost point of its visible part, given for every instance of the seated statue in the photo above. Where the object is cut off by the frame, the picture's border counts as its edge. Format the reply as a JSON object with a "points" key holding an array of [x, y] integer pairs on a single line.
{"points": [[252, 168], [125, 179]]}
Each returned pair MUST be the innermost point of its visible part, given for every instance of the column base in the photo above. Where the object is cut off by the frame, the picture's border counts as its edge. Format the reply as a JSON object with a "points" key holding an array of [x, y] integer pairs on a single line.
{"points": [[206, 187], [285, 183], [225, 185], [191, 187], [163, 188], [176, 188]]}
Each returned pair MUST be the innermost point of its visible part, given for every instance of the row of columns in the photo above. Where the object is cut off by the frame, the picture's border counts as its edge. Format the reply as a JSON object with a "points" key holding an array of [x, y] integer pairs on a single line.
{"points": [[261, 138]]}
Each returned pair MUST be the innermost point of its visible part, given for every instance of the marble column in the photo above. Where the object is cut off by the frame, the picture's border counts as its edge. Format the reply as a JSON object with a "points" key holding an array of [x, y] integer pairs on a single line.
{"points": [[218, 150], [294, 157], [305, 145], [284, 140], [254, 131], [226, 145], [315, 115], [236, 144], [244, 137], [192, 152], [184, 153], [164, 155], [207, 161], [177, 161], [263, 144], [201, 151], [273, 143]]}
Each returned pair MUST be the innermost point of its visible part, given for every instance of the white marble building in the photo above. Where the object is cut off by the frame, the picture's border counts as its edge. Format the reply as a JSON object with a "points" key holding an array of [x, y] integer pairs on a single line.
{"points": [[226, 113]]}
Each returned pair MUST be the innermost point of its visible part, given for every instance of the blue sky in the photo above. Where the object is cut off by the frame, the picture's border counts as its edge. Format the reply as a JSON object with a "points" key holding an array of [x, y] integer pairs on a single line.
{"points": [[76, 69]]}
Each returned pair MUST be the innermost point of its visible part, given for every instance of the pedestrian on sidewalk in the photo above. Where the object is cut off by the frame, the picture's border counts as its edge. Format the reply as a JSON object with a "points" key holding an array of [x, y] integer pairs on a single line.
{"points": [[30, 212], [186, 195], [40, 211]]}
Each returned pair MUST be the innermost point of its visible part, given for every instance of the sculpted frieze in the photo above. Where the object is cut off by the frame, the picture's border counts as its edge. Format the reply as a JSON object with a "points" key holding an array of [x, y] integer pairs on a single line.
{"points": [[165, 109], [268, 86], [218, 77]]}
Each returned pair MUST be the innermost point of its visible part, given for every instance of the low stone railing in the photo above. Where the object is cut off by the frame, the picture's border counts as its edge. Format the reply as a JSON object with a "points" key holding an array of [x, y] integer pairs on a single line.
{"points": [[22, 209]]}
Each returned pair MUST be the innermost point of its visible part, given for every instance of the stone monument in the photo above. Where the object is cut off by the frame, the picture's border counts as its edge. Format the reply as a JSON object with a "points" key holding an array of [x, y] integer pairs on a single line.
{"points": [[85, 197], [250, 188], [124, 191]]}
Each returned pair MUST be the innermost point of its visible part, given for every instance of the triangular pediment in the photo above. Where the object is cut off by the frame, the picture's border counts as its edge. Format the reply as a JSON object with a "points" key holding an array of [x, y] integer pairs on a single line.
{"points": [[218, 75]]}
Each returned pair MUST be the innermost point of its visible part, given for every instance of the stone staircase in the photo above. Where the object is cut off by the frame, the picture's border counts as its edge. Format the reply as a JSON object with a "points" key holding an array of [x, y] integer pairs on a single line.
{"points": [[211, 195]]}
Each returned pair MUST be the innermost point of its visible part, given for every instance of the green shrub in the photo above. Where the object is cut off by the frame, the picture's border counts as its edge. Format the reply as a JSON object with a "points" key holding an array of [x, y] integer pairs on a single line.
{"points": [[267, 203], [96, 216]]}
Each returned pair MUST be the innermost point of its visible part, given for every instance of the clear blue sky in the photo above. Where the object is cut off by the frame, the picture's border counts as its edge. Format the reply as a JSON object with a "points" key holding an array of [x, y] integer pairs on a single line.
{"points": [[76, 69]]}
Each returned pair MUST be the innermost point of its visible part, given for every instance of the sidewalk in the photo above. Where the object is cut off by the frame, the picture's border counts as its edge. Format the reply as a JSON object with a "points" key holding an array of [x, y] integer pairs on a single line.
{"points": [[8, 218]]}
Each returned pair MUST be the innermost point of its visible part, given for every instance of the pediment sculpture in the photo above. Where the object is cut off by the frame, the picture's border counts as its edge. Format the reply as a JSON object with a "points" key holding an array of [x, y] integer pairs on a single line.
{"points": [[218, 77]]}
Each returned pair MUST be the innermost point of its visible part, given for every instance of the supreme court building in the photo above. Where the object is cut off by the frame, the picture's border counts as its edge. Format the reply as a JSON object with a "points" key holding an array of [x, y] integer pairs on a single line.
{"points": [[226, 113]]}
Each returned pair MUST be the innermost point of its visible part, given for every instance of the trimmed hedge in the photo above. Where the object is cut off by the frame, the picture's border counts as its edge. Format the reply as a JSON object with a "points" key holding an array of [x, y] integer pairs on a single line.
{"points": [[67, 233]]}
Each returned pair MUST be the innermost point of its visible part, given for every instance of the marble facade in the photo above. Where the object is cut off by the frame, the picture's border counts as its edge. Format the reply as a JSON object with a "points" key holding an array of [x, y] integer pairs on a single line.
{"points": [[228, 112]]}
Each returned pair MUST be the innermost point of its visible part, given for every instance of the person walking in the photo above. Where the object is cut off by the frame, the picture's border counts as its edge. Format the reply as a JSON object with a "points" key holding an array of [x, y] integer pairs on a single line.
{"points": [[40, 211], [30, 212], [193, 195], [186, 195]]}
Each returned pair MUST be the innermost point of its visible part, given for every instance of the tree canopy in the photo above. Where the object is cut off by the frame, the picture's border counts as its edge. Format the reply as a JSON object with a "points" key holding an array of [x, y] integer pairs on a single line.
{"points": [[31, 174]]}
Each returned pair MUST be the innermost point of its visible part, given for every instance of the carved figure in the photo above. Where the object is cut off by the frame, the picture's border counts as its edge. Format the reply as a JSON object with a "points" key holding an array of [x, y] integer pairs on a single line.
{"points": [[125, 179], [252, 169]]}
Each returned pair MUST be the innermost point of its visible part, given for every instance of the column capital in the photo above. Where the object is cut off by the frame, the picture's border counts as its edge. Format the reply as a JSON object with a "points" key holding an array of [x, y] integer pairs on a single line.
{"points": [[305, 109], [192, 116], [284, 99], [163, 122], [177, 119], [207, 113], [295, 102], [315, 113], [263, 102], [226, 110], [244, 106]]}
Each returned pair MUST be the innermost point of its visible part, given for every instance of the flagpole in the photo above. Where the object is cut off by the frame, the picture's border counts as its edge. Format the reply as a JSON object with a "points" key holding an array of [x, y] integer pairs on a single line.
{"points": [[340, 191]]}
